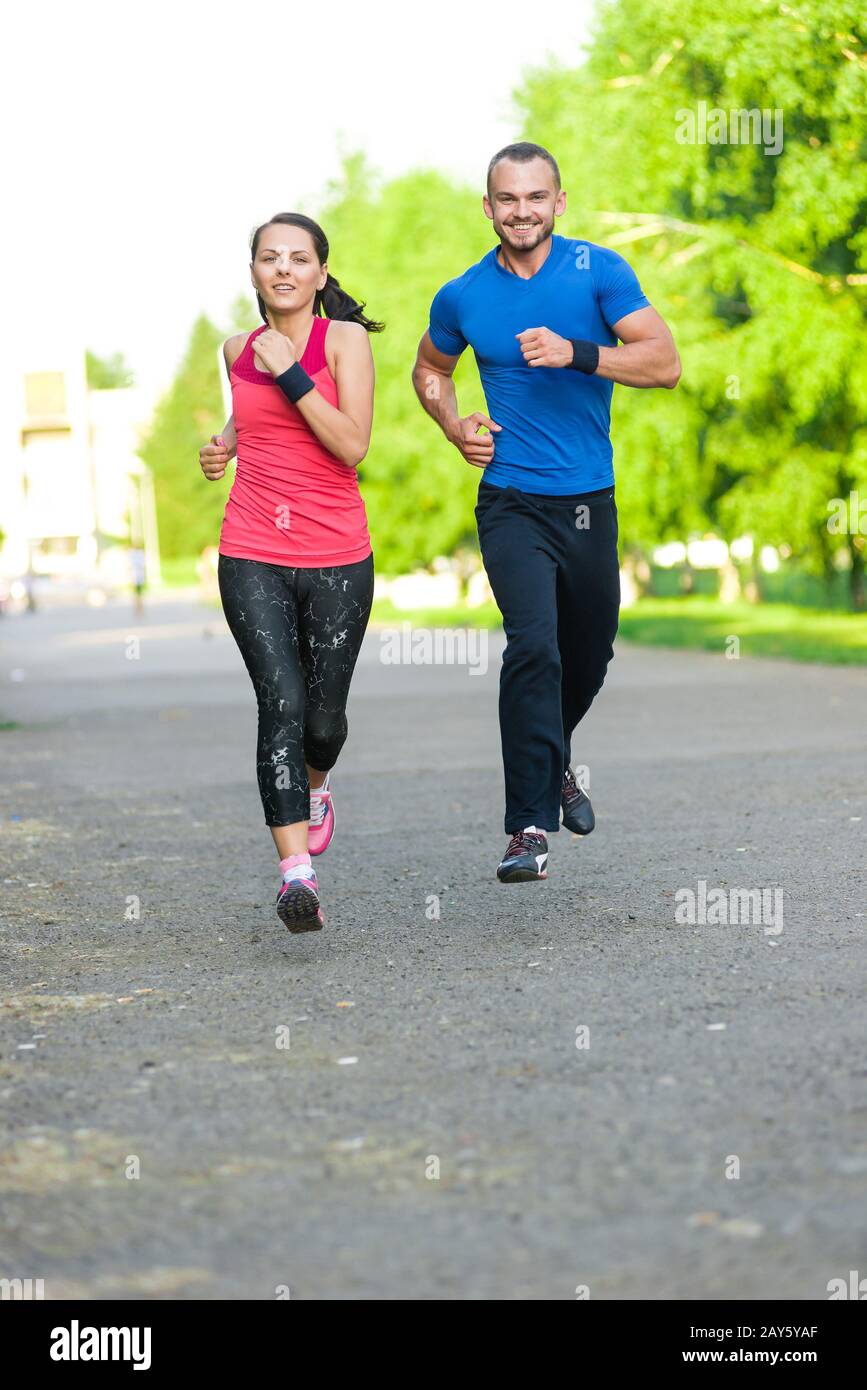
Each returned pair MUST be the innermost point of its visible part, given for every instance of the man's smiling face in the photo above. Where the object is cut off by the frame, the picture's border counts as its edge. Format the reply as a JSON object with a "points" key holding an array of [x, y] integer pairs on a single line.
{"points": [[522, 201]]}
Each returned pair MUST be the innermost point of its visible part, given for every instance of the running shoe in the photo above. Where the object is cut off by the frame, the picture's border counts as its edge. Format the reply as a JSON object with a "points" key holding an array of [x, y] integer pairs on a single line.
{"points": [[321, 827], [577, 812], [298, 900], [526, 858]]}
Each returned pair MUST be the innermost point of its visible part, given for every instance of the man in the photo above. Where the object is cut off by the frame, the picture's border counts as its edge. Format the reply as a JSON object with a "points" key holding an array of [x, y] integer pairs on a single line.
{"points": [[543, 315]]}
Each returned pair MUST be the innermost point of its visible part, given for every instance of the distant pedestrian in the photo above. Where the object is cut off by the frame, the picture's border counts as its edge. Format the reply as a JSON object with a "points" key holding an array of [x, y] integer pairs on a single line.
{"points": [[138, 568], [29, 582]]}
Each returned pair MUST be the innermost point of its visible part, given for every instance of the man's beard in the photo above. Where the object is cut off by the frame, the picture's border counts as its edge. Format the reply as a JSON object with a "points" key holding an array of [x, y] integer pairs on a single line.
{"points": [[529, 241]]}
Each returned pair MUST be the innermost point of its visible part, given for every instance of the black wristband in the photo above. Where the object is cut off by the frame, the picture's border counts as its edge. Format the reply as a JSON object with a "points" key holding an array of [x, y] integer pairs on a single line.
{"points": [[294, 382], [585, 356]]}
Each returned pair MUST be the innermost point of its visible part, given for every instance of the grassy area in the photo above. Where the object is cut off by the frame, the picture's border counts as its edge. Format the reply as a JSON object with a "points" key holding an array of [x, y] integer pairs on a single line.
{"points": [[766, 629], [179, 573], [763, 629], [384, 614]]}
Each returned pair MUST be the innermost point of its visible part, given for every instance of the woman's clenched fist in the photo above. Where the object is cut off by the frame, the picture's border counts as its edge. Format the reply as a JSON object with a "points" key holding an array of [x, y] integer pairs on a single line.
{"points": [[214, 458]]}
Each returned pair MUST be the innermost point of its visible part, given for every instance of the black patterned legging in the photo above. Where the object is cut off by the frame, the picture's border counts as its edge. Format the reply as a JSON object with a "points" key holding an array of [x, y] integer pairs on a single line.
{"points": [[299, 632]]}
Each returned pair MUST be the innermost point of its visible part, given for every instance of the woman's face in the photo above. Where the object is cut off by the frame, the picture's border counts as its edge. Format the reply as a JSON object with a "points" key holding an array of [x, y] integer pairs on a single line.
{"points": [[286, 270]]}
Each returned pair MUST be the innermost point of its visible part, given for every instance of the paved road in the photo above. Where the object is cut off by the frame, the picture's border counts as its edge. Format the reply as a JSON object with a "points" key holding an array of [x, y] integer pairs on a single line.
{"points": [[129, 785]]}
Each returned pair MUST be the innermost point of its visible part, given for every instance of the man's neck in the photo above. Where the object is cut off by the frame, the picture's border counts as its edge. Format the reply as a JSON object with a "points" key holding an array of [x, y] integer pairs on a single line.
{"points": [[525, 264]]}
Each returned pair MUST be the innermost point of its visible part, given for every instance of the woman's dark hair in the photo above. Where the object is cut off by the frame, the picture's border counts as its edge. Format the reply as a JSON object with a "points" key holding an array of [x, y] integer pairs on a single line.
{"points": [[332, 302]]}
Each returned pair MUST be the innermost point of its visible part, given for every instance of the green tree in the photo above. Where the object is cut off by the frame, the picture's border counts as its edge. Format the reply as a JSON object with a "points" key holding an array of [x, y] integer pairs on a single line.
{"points": [[189, 508], [107, 373], [243, 314]]}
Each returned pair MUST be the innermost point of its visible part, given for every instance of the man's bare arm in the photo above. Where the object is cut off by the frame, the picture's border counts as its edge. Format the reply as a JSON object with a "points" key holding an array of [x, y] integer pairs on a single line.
{"points": [[433, 379], [647, 355]]}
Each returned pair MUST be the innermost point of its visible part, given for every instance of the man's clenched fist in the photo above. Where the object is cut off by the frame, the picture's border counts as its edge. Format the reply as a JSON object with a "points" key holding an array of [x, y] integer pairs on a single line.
{"points": [[542, 348], [477, 449]]}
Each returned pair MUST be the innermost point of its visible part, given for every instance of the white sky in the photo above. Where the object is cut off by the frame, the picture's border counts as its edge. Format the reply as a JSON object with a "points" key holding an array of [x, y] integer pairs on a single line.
{"points": [[144, 142]]}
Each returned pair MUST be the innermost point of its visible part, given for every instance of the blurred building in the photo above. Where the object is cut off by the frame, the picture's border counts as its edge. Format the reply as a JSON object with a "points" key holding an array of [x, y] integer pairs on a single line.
{"points": [[74, 495]]}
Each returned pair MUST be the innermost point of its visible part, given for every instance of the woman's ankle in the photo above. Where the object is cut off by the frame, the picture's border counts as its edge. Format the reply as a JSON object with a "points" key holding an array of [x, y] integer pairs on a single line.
{"points": [[292, 859]]}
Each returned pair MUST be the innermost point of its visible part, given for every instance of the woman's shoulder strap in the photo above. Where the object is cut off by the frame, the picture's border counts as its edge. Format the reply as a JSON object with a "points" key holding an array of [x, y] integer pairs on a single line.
{"points": [[314, 353], [245, 363]]}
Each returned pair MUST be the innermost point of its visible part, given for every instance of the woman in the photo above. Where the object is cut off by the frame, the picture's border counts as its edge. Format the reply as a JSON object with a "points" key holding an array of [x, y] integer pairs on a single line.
{"points": [[295, 566]]}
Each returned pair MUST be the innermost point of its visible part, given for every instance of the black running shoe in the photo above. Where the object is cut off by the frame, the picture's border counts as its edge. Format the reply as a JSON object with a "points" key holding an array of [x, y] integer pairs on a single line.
{"points": [[577, 812], [526, 858]]}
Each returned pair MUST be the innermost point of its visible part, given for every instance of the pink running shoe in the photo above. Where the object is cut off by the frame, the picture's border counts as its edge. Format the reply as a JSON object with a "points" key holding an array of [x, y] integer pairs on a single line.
{"points": [[298, 900], [321, 827]]}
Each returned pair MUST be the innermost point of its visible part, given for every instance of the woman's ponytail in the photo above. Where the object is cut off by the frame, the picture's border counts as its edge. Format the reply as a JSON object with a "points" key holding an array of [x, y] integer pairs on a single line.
{"points": [[335, 303]]}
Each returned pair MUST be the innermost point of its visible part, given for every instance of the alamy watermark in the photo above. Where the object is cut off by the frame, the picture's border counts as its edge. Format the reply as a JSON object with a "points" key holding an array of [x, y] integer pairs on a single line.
{"points": [[848, 517], [732, 907], [22, 1290], [855, 1288], [77, 1343], [439, 646], [714, 126]]}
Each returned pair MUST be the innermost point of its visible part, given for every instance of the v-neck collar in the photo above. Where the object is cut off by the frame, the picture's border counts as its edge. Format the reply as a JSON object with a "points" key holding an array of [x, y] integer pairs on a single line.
{"points": [[544, 268]]}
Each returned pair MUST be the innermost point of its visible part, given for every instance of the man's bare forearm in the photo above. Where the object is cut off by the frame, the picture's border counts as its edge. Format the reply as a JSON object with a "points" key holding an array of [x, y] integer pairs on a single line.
{"points": [[436, 391], [651, 362]]}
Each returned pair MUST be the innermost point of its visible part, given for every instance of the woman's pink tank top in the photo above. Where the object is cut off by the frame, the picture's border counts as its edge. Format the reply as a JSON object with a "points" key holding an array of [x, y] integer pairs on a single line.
{"points": [[292, 502]]}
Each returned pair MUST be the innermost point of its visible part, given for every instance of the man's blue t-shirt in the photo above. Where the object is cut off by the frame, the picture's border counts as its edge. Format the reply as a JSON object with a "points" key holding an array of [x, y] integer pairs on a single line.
{"points": [[555, 421]]}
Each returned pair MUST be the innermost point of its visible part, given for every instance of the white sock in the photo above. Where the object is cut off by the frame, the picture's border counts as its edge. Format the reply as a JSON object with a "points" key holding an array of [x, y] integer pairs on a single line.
{"points": [[530, 830]]}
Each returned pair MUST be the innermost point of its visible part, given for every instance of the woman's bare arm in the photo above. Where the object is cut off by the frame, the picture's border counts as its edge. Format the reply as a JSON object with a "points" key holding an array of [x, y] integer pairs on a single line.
{"points": [[214, 456], [345, 429]]}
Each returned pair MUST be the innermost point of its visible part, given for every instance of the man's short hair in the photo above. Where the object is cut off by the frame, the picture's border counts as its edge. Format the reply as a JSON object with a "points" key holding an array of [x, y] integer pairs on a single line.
{"points": [[522, 153]]}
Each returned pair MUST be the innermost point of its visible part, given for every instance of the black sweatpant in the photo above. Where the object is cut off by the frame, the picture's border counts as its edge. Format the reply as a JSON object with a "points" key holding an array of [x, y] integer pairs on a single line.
{"points": [[299, 632], [552, 563]]}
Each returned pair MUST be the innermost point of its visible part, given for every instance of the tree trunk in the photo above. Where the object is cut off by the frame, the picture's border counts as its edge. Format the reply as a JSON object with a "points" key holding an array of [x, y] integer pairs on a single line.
{"points": [[857, 594]]}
